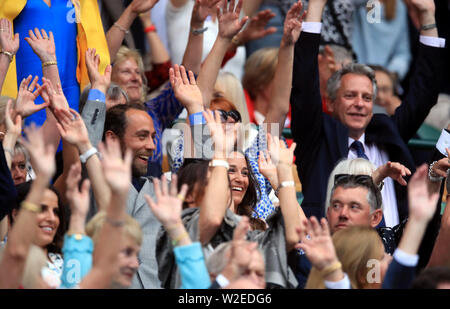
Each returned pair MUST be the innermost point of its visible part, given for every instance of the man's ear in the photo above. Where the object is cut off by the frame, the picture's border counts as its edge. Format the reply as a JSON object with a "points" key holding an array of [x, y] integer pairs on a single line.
{"points": [[376, 217], [111, 135], [329, 104]]}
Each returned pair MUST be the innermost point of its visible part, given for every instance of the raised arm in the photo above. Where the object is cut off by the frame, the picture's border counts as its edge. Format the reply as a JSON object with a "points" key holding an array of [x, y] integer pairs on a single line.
{"points": [[282, 81], [74, 132], [422, 206], [77, 246], [292, 212], [306, 101], [21, 236], [241, 253], [117, 171], [13, 131], [117, 32], [192, 58], [441, 251], [229, 26], [424, 85], [9, 44], [394, 170], [188, 255], [318, 246], [217, 193]]}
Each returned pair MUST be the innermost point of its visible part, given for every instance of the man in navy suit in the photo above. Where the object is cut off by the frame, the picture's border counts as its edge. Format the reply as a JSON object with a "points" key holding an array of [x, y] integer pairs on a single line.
{"points": [[353, 130]]}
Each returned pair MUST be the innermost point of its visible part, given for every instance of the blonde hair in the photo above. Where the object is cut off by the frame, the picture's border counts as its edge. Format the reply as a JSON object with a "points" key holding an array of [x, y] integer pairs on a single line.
{"points": [[357, 166], [123, 55], [131, 227], [36, 260], [260, 70], [355, 246], [3, 101], [231, 88]]}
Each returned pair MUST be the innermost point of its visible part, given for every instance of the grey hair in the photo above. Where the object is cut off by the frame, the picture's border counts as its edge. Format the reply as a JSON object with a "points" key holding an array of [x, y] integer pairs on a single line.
{"points": [[358, 166], [20, 149], [218, 259], [342, 55], [113, 92], [334, 82]]}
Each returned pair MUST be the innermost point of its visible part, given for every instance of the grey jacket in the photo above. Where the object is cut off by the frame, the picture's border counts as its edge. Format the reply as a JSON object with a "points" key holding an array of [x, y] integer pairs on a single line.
{"points": [[93, 114]]}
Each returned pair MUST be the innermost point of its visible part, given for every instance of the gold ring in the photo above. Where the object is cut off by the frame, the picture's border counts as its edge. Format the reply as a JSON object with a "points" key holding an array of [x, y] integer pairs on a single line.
{"points": [[181, 197]]}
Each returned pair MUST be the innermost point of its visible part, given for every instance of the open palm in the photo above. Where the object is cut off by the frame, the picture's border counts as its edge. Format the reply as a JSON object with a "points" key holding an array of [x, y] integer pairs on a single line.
{"points": [[8, 42], [229, 24], [185, 89], [25, 105], [43, 44], [117, 170]]}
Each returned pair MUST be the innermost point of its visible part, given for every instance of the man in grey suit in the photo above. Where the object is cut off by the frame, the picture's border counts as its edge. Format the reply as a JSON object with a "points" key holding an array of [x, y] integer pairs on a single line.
{"points": [[132, 126]]}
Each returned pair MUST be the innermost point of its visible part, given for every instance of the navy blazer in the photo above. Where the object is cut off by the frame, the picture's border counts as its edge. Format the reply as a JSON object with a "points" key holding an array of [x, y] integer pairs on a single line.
{"points": [[323, 141]]}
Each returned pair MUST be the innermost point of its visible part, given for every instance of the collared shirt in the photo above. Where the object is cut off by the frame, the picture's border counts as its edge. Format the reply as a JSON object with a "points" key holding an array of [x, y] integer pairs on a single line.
{"points": [[378, 157]]}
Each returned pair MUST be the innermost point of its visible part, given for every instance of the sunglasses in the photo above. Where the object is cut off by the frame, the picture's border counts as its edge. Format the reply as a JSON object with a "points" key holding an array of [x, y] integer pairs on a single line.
{"points": [[233, 114], [363, 180]]}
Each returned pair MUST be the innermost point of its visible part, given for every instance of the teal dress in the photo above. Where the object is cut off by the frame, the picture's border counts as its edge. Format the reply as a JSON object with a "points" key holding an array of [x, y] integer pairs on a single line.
{"points": [[60, 19]]}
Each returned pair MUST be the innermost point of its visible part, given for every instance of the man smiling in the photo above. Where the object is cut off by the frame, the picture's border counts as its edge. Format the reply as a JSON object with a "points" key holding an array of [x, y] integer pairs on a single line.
{"points": [[353, 130]]}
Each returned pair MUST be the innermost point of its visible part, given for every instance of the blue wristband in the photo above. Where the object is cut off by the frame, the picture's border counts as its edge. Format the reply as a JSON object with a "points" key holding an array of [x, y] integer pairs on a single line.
{"points": [[197, 118]]}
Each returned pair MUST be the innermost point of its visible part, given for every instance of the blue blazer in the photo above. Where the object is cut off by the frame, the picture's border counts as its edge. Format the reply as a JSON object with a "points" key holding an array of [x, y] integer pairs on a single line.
{"points": [[323, 141]]}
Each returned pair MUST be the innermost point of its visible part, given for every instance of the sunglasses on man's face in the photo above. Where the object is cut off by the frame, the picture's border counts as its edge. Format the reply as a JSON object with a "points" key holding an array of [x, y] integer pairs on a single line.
{"points": [[233, 114]]}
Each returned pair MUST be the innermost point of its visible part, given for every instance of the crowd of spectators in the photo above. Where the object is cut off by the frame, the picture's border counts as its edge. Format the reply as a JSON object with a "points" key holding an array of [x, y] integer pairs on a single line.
{"points": [[209, 144]]}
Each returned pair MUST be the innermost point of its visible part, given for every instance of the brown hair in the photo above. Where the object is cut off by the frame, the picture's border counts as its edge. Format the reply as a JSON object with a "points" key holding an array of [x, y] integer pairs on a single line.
{"points": [[355, 246], [222, 103], [259, 70]]}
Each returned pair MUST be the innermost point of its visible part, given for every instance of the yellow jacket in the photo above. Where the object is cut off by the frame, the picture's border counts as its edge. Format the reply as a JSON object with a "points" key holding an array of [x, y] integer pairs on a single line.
{"points": [[89, 34]]}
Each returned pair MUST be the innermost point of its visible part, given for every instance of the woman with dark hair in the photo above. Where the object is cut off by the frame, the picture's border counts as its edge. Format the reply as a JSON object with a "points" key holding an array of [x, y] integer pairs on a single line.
{"points": [[52, 223], [245, 190]]}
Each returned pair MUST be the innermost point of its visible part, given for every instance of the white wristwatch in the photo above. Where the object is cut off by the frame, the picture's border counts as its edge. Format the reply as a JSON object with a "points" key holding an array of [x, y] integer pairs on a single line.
{"points": [[85, 156]]}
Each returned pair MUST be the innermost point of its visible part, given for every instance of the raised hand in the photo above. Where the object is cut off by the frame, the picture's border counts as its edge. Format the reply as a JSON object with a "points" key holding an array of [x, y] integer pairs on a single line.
{"points": [[55, 96], [228, 17], [327, 65], [168, 207], [13, 128], [224, 140], [268, 169], [201, 10], [318, 245], [42, 44], [117, 170], [241, 251], [79, 200], [25, 105], [186, 89], [72, 129], [8, 41], [98, 81], [42, 156], [279, 152], [422, 203], [141, 6], [256, 28], [393, 170], [293, 24]]}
